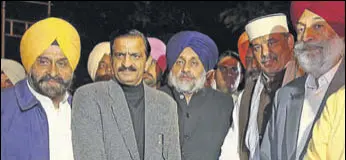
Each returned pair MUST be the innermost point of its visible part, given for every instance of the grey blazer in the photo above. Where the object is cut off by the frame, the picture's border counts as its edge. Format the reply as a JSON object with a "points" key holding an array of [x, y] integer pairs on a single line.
{"points": [[280, 139], [102, 128]]}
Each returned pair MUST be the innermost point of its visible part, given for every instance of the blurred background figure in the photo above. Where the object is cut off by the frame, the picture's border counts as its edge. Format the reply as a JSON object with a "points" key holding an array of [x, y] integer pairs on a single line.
{"points": [[99, 62], [11, 73], [247, 58], [156, 63], [229, 74]]}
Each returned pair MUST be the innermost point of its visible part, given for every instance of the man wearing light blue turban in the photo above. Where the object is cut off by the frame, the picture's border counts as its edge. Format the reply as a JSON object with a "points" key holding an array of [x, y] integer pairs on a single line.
{"points": [[204, 114]]}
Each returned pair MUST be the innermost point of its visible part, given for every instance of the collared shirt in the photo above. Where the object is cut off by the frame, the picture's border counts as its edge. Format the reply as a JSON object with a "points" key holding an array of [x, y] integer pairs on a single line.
{"points": [[314, 93], [59, 124]]}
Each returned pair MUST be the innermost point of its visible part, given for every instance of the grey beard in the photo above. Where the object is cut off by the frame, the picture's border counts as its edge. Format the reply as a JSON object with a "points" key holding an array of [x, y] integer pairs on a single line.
{"points": [[320, 61], [47, 90], [182, 87]]}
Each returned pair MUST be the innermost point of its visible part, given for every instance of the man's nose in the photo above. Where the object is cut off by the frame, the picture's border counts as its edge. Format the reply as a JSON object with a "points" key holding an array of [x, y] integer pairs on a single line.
{"points": [[53, 70], [127, 61], [308, 35]]}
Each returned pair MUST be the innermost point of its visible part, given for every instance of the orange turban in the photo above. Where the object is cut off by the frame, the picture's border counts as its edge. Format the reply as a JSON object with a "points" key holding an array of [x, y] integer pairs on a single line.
{"points": [[243, 46], [331, 11], [42, 34]]}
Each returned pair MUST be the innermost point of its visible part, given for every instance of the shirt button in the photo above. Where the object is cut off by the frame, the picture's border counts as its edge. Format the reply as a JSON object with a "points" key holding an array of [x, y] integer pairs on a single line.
{"points": [[181, 96]]}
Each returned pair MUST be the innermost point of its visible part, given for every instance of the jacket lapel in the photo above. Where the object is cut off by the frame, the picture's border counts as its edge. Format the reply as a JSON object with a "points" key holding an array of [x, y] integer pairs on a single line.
{"points": [[123, 119], [294, 110]]}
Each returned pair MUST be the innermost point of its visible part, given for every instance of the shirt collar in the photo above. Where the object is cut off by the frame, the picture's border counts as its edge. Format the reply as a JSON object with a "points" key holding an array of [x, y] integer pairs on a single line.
{"points": [[43, 98], [325, 79]]}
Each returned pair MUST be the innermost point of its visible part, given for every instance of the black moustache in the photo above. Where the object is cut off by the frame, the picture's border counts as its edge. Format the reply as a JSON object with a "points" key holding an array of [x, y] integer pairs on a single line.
{"points": [[123, 68]]}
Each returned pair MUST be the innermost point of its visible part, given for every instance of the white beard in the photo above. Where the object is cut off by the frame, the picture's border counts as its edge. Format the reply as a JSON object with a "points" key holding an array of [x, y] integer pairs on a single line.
{"points": [[320, 61], [187, 87]]}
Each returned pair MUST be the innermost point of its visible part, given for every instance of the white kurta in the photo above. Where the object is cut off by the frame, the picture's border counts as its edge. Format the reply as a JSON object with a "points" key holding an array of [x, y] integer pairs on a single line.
{"points": [[59, 124], [314, 94]]}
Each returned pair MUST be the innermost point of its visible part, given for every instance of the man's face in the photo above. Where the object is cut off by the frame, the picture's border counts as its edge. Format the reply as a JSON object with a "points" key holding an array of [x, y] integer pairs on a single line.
{"points": [[5, 81], [187, 74], [104, 71], [252, 67], [152, 71], [228, 74], [273, 51], [51, 74], [129, 60], [318, 48]]}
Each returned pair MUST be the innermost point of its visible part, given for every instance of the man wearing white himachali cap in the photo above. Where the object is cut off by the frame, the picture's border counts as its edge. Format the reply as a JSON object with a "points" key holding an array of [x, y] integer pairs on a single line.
{"points": [[272, 46]]}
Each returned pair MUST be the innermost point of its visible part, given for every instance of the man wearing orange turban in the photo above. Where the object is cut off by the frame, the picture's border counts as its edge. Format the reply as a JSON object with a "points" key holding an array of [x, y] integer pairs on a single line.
{"points": [[320, 51], [36, 113], [247, 58]]}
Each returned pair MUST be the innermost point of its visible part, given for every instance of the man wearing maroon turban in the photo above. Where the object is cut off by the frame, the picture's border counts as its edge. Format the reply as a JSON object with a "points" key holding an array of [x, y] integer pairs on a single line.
{"points": [[320, 50]]}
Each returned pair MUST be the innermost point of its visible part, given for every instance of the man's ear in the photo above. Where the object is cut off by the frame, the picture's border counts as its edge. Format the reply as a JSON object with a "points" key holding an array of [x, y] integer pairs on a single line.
{"points": [[148, 63], [210, 77], [290, 41]]}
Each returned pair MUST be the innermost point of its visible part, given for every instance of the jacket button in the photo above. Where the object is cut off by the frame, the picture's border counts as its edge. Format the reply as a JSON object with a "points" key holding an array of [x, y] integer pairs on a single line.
{"points": [[187, 115]]}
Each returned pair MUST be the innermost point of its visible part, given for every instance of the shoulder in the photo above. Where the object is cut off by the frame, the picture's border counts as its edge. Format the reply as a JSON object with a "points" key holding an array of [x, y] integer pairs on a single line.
{"points": [[165, 89], [92, 88], [8, 97], [297, 84], [160, 95], [7, 92], [336, 102]]}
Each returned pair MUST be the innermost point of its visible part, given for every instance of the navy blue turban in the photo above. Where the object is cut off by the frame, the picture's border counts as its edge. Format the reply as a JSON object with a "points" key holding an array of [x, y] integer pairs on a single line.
{"points": [[203, 45]]}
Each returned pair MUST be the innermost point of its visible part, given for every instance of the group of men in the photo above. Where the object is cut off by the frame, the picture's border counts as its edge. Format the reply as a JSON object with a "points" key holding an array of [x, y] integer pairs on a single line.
{"points": [[260, 103]]}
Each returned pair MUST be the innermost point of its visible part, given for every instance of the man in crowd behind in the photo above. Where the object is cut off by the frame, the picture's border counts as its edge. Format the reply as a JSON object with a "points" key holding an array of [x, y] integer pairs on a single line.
{"points": [[247, 58], [156, 63], [11, 73], [99, 62], [229, 74]]}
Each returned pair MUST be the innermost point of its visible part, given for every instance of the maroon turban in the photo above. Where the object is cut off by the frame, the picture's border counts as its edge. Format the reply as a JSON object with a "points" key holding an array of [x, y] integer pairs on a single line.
{"points": [[331, 11]]}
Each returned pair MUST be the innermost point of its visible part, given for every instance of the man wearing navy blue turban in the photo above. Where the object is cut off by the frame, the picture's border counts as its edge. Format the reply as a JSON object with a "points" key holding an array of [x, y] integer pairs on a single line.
{"points": [[204, 114]]}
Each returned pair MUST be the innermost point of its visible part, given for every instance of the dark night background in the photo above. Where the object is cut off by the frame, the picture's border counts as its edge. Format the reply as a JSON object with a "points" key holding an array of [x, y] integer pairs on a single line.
{"points": [[222, 21]]}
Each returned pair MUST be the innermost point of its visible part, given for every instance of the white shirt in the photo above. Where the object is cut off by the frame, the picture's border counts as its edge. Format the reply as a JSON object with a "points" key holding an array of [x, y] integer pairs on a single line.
{"points": [[230, 146], [59, 124], [314, 94]]}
